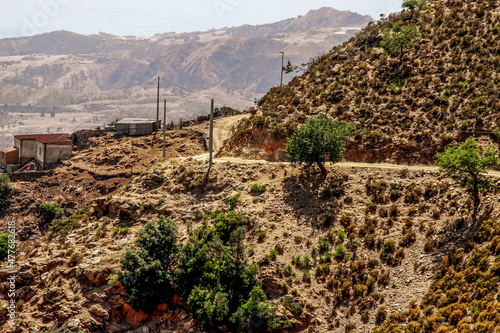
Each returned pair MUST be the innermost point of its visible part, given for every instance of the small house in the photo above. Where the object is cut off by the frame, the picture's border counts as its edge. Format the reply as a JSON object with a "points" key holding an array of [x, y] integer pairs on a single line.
{"points": [[136, 126], [46, 149]]}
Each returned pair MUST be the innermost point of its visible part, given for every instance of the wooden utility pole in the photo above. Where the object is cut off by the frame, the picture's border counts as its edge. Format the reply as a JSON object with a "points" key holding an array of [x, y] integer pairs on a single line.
{"points": [[282, 64], [210, 139], [164, 123], [158, 106]]}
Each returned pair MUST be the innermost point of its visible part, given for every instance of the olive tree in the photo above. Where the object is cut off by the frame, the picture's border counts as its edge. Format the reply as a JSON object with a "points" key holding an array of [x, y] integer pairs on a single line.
{"points": [[318, 140], [466, 164]]}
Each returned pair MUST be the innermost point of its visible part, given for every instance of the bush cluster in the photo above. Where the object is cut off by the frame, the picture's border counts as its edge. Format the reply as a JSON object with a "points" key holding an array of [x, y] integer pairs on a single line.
{"points": [[208, 272]]}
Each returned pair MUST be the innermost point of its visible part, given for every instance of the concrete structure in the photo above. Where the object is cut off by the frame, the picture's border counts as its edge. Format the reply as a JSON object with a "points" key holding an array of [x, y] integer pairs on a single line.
{"points": [[27, 147], [9, 156], [136, 126], [46, 149]]}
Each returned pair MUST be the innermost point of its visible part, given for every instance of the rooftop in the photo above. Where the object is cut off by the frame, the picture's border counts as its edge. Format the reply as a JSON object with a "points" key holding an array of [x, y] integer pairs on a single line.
{"points": [[9, 150], [46, 138], [135, 121]]}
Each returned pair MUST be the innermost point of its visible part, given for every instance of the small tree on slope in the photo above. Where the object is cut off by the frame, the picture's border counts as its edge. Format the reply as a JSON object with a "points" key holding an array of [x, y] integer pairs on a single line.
{"points": [[398, 39], [318, 140], [466, 163]]}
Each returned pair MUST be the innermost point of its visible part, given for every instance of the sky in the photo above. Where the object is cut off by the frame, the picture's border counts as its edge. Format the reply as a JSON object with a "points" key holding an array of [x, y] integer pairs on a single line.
{"points": [[148, 17]]}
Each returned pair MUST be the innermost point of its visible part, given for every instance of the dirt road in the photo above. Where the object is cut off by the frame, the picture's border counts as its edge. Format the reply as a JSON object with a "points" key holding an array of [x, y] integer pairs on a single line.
{"points": [[223, 128]]}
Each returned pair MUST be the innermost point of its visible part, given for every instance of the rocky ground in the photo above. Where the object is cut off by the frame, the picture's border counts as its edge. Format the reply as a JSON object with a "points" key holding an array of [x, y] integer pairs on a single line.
{"points": [[101, 168], [69, 280]]}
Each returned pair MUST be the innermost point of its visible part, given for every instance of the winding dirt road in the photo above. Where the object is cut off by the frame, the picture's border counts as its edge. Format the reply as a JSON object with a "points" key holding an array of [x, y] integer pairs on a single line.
{"points": [[223, 128]]}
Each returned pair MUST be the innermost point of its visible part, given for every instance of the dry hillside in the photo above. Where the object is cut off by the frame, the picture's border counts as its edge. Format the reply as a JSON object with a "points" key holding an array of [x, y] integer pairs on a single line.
{"points": [[336, 254], [342, 247], [405, 107]]}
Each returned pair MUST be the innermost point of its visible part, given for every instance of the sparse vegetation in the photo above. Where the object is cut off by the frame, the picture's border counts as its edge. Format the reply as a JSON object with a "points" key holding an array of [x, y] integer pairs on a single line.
{"points": [[60, 226], [233, 201]]}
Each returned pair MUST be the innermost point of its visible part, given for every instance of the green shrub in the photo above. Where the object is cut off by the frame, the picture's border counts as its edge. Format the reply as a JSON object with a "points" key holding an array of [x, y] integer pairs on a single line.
{"points": [[51, 211], [324, 245], [380, 315], [64, 226], [120, 231], [294, 306], [207, 272], [259, 188], [388, 248], [257, 316], [233, 201], [5, 189], [340, 251], [147, 271], [5, 246]]}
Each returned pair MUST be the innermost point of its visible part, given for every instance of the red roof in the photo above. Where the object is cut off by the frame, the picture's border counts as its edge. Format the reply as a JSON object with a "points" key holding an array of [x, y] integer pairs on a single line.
{"points": [[46, 138]]}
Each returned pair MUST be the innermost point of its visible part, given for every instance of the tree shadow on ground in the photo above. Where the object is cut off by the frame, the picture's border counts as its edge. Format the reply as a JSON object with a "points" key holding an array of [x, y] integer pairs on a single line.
{"points": [[460, 231], [313, 198]]}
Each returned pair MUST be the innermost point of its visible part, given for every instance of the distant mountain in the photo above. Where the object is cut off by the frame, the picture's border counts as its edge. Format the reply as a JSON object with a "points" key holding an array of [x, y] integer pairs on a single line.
{"points": [[239, 58], [322, 18]]}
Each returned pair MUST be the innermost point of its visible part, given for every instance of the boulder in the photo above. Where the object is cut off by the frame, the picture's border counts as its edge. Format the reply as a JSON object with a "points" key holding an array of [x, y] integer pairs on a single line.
{"points": [[132, 317], [99, 311], [273, 287]]}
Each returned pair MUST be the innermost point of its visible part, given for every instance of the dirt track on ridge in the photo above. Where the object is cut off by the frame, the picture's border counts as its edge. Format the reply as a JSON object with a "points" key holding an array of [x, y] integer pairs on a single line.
{"points": [[224, 126]]}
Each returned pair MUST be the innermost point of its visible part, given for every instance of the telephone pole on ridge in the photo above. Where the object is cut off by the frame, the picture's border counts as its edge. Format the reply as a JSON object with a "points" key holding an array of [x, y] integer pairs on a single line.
{"points": [[282, 64], [158, 106], [210, 139], [164, 123]]}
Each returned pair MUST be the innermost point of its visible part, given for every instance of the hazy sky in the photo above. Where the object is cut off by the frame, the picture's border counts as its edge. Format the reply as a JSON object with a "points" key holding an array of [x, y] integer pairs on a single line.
{"points": [[147, 17]]}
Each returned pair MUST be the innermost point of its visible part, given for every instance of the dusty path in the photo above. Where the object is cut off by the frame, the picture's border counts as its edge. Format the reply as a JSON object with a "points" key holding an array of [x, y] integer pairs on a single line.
{"points": [[223, 128]]}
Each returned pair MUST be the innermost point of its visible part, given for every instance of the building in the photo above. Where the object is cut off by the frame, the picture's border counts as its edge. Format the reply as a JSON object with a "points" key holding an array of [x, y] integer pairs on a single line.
{"points": [[46, 149], [9, 156], [135, 126]]}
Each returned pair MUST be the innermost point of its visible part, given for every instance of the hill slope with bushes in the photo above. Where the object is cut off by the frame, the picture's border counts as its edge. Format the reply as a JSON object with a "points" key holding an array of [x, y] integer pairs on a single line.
{"points": [[440, 85]]}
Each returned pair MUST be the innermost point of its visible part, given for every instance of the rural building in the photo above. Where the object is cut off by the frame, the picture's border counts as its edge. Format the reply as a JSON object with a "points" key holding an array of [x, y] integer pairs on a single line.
{"points": [[46, 149], [9, 156], [135, 126]]}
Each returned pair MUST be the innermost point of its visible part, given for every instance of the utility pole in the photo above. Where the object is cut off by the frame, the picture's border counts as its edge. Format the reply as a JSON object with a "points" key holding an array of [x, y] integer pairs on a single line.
{"points": [[210, 139], [158, 106], [282, 64], [164, 123]]}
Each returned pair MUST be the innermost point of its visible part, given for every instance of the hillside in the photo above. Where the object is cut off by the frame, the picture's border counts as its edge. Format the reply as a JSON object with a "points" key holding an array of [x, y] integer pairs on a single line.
{"points": [[405, 107], [330, 252]]}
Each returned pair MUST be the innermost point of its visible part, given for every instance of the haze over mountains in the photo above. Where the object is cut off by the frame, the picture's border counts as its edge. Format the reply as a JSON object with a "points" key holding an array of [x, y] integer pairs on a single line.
{"points": [[237, 65]]}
